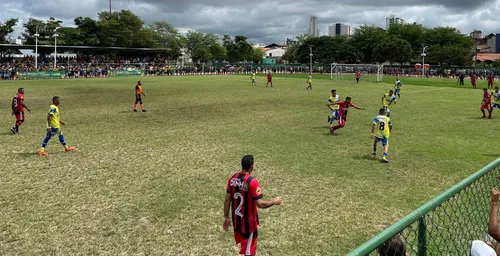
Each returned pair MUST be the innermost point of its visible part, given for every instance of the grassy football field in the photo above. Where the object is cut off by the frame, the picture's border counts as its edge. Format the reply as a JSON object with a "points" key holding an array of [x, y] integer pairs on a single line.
{"points": [[154, 183]]}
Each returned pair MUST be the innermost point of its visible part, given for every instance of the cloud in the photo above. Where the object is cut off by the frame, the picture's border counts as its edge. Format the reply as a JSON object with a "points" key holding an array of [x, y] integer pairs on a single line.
{"points": [[269, 21]]}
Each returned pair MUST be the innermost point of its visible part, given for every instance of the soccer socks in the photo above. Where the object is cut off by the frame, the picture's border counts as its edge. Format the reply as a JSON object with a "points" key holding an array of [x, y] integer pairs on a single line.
{"points": [[45, 142], [63, 142], [16, 126], [336, 127], [385, 154]]}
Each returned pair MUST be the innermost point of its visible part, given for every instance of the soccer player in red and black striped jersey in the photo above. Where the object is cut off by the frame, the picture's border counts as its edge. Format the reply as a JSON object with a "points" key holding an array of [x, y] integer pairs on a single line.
{"points": [[343, 108], [18, 109], [244, 195]]}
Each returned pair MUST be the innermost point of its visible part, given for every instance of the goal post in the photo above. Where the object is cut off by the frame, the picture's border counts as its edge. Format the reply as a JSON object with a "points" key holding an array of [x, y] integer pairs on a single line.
{"points": [[369, 72]]}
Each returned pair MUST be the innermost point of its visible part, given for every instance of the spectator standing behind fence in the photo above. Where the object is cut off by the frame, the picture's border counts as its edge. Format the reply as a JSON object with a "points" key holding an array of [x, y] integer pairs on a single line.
{"points": [[392, 247], [480, 248], [461, 78], [493, 227]]}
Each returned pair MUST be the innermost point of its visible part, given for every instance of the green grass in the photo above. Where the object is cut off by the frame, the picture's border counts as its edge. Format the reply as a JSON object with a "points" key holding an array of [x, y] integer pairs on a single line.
{"points": [[153, 183], [440, 82]]}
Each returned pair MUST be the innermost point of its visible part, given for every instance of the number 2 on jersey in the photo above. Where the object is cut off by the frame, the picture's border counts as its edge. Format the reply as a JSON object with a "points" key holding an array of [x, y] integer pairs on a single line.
{"points": [[238, 209]]}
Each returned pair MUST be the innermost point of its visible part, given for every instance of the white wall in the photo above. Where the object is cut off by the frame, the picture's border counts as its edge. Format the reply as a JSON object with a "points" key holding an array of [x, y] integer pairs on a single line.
{"points": [[278, 52]]}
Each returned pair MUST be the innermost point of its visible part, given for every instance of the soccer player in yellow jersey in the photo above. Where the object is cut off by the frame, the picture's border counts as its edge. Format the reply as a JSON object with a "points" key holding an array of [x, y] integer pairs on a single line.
{"points": [[54, 127], [335, 98], [253, 78], [381, 129], [387, 100], [309, 82]]}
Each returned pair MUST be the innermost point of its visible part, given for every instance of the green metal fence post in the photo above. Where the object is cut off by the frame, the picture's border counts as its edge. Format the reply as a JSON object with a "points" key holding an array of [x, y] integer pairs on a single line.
{"points": [[422, 237]]}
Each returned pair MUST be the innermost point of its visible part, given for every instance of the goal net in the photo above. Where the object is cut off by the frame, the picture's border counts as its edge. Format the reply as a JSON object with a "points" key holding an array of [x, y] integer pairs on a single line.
{"points": [[369, 72]]}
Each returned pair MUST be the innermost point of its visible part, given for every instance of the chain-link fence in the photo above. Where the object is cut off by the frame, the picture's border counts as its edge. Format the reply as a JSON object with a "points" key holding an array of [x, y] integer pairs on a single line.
{"points": [[446, 225]]}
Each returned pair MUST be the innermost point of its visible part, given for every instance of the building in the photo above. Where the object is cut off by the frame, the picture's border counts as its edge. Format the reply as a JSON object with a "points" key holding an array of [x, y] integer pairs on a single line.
{"points": [[339, 29], [259, 45], [476, 34], [275, 51], [313, 30], [497, 43], [393, 20]]}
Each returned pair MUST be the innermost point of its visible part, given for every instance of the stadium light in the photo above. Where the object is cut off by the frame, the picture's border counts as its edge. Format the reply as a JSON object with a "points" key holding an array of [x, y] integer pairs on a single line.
{"points": [[310, 58], [423, 60], [55, 46], [36, 47]]}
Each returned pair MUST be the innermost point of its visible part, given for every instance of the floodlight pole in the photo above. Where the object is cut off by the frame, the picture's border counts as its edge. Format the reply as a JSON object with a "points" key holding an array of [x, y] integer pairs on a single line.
{"points": [[310, 58], [36, 48], [55, 46], [423, 60]]}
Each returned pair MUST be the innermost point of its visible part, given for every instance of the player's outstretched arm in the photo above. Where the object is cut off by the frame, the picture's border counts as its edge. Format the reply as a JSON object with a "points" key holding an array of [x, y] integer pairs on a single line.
{"points": [[493, 227], [356, 107], [266, 204], [227, 204], [25, 106]]}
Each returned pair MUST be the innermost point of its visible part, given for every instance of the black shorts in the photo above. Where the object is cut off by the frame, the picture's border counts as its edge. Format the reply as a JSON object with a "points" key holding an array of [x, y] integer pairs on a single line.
{"points": [[138, 97]]}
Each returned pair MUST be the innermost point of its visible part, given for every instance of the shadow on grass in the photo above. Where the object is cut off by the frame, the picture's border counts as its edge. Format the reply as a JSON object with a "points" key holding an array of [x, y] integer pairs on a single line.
{"points": [[28, 154], [491, 155], [368, 157], [6, 134]]}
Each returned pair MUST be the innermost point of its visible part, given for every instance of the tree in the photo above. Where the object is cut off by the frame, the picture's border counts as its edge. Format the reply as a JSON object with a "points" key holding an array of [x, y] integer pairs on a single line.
{"points": [[328, 49], [365, 39], [413, 33], [496, 63], [231, 50], [7, 28], [243, 48], [218, 52], [448, 46], [237, 50], [258, 54], [46, 30], [204, 47], [170, 38], [68, 36], [148, 38], [119, 28], [393, 49], [88, 31]]}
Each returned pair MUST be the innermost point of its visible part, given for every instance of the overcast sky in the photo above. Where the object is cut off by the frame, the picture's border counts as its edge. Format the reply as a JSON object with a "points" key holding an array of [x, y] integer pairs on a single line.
{"points": [[266, 21]]}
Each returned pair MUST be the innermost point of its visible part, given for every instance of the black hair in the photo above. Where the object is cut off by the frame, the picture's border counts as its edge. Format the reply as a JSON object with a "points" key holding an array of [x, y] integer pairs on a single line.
{"points": [[391, 91], [392, 247], [246, 162], [348, 98], [484, 89], [381, 111], [334, 90], [54, 99]]}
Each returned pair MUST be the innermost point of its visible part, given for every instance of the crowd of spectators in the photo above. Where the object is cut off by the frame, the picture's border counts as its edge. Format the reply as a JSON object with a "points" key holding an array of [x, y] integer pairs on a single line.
{"points": [[89, 66]]}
